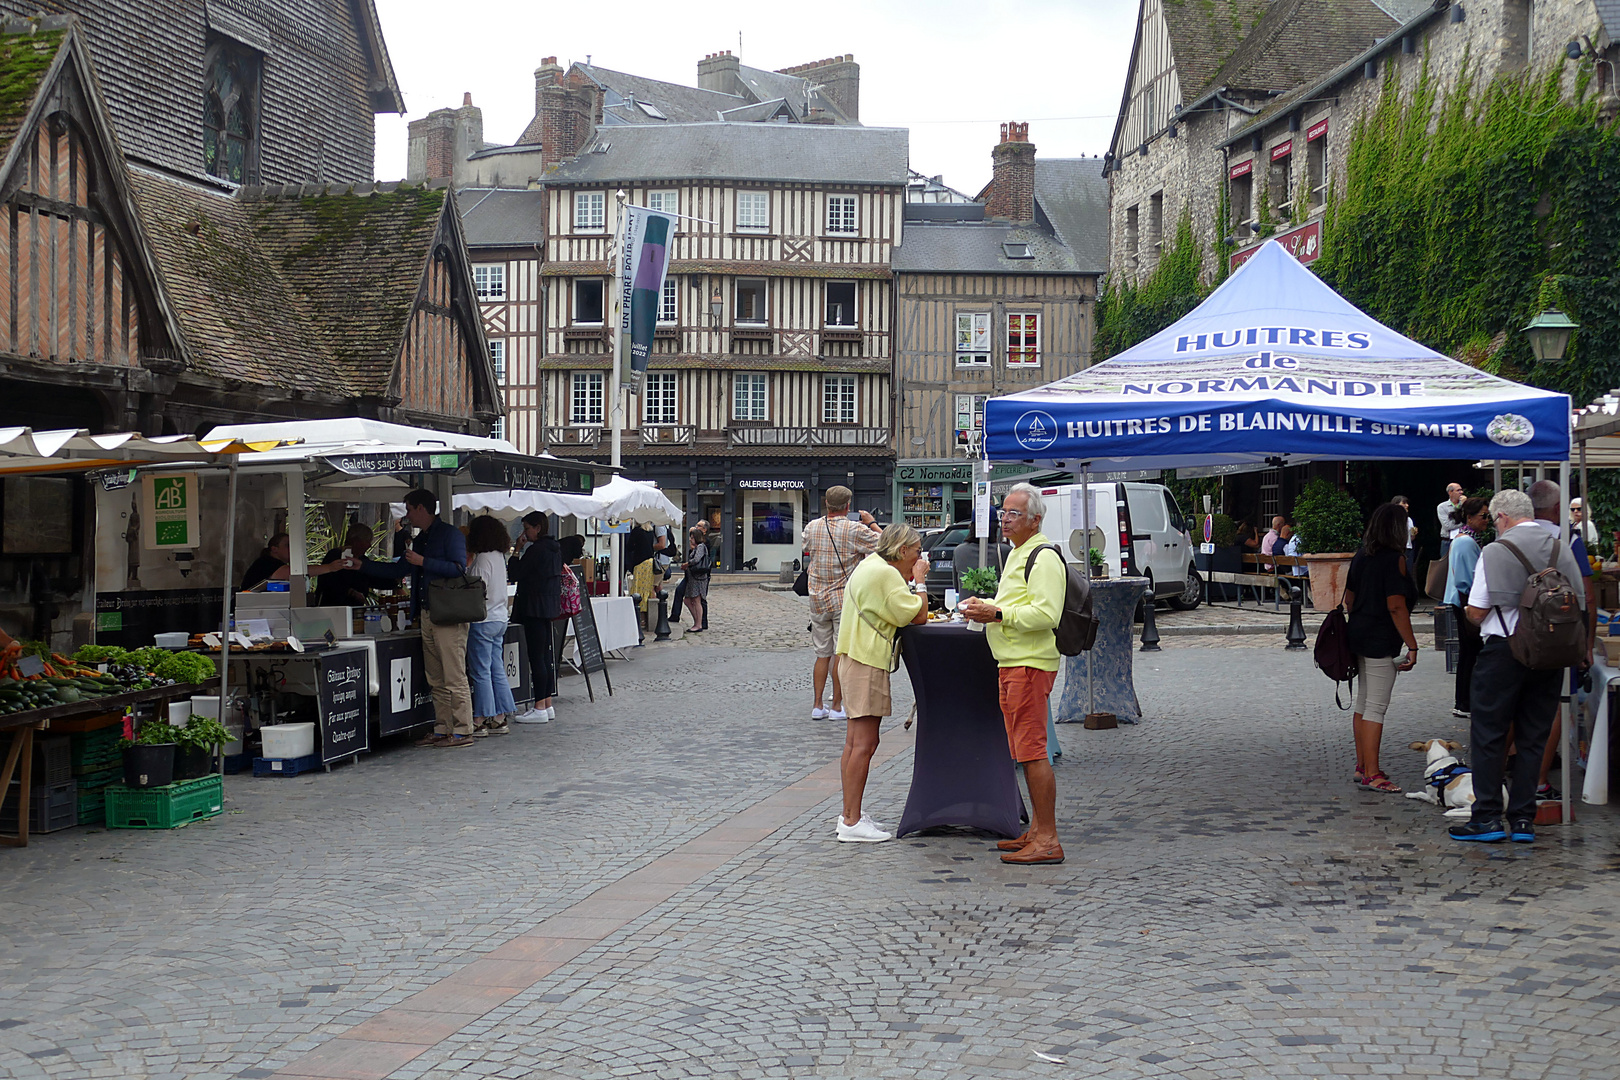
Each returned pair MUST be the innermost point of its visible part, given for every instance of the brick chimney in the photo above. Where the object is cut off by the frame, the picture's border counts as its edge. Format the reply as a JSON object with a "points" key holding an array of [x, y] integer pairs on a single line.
{"points": [[721, 73], [839, 78], [1012, 186], [566, 111], [442, 141]]}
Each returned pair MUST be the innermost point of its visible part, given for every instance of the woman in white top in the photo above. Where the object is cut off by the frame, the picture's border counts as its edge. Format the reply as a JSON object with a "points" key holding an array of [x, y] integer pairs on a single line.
{"points": [[487, 545]]}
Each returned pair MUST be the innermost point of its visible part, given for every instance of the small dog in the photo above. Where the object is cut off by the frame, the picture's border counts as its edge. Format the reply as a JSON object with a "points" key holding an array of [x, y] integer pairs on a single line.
{"points": [[751, 564], [1446, 780]]}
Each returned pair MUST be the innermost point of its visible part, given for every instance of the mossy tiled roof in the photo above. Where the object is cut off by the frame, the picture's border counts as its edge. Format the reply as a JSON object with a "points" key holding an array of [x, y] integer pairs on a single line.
{"points": [[304, 288], [24, 60], [1203, 36]]}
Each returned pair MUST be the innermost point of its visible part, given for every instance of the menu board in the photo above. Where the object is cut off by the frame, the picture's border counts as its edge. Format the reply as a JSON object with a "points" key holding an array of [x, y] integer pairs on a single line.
{"points": [[589, 643], [341, 701]]}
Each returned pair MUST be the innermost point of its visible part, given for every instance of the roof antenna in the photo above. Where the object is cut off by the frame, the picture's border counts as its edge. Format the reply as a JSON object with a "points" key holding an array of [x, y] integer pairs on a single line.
{"points": [[739, 42]]}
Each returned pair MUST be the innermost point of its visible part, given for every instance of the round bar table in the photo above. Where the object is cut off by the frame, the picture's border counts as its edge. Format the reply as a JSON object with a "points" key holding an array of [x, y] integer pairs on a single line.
{"points": [[1114, 601]]}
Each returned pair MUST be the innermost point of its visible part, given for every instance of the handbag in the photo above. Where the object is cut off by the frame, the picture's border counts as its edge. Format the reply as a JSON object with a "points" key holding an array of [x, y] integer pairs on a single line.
{"points": [[457, 600], [801, 584], [571, 602], [1333, 654], [1434, 585]]}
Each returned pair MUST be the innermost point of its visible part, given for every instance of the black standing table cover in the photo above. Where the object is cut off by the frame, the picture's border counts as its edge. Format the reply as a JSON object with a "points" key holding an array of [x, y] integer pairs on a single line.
{"points": [[962, 771]]}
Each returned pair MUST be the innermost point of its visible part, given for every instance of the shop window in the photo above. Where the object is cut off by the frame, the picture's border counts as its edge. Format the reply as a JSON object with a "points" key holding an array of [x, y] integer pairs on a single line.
{"points": [[751, 301], [748, 396], [838, 399], [585, 404], [841, 214], [973, 339], [840, 303], [772, 522], [969, 416], [497, 361], [754, 210], [490, 281], [590, 211], [232, 74], [1316, 171], [666, 302], [1023, 339], [658, 397], [588, 302]]}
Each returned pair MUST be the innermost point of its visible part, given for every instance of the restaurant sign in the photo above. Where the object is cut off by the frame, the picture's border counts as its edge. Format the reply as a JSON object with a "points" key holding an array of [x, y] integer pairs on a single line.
{"points": [[530, 474], [1303, 243]]}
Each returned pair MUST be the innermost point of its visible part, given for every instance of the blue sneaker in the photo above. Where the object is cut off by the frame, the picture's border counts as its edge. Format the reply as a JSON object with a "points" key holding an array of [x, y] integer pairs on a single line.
{"points": [[1484, 832], [1523, 831]]}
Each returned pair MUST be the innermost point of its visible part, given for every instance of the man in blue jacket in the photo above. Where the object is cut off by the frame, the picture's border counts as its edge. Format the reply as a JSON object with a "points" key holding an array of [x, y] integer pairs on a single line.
{"points": [[439, 551]]}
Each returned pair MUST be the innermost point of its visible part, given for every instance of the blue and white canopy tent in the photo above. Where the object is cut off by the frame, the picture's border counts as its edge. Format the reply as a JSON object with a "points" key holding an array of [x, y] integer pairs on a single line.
{"points": [[1275, 365]]}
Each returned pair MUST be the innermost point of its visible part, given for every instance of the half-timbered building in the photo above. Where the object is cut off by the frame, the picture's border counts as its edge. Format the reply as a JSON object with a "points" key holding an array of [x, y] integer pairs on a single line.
{"points": [[991, 297], [771, 376]]}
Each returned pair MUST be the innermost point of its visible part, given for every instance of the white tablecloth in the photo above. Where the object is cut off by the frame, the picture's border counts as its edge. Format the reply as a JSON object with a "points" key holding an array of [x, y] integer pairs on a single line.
{"points": [[615, 624], [1596, 788]]}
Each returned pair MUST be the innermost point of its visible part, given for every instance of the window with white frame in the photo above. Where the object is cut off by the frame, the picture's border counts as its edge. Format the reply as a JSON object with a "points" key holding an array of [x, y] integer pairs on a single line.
{"points": [[753, 210], [585, 403], [658, 397], [590, 211], [1023, 339], [666, 302], [838, 399], [750, 307], [840, 303], [969, 416], [587, 301], [489, 279], [497, 361], [497, 430], [973, 339], [748, 396], [841, 216], [667, 201]]}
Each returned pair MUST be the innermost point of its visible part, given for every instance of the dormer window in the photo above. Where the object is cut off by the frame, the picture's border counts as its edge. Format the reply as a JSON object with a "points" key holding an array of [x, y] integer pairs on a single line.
{"points": [[231, 110], [1016, 250]]}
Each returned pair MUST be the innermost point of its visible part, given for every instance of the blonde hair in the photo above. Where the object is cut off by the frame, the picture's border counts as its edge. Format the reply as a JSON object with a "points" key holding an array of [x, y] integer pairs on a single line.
{"points": [[895, 539]]}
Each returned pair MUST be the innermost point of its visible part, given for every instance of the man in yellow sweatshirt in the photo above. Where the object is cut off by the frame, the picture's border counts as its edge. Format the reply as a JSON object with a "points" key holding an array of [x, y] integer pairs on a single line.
{"points": [[1020, 624]]}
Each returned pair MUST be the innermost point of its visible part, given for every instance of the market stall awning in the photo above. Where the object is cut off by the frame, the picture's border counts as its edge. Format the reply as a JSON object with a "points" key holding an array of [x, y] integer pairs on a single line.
{"points": [[639, 501], [24, 450], [1275, 367]]}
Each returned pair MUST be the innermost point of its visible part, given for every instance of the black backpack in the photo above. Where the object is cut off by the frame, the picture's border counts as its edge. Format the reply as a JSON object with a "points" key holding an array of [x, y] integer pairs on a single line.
{"points": [[1333, 653], [1077, 627]]}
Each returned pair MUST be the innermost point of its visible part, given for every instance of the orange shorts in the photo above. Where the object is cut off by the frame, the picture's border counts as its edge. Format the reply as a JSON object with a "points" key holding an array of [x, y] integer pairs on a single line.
{"points": [[1024, 691]]}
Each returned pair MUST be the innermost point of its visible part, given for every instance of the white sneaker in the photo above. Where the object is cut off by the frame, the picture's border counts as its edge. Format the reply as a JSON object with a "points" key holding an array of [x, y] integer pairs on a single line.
{"points": [[864, 831], [551, 712], [533, 716], [818, 713], [837, 714], [838, 819]]}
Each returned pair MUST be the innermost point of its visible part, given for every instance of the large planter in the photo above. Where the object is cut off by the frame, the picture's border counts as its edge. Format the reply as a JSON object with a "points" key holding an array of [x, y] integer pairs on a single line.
{"points": [[149, 765], [1225, 560], [193, 763], [1330, 572]]}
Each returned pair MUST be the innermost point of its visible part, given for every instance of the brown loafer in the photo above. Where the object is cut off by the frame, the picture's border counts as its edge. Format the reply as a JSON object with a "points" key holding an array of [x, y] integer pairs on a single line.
{"points": [[450, 742], [1032, 855], [1013, 845], [430, 740]]}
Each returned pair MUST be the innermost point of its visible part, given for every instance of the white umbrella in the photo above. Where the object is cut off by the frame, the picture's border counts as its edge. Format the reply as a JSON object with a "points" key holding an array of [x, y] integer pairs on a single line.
{"points": [[636, 500]]}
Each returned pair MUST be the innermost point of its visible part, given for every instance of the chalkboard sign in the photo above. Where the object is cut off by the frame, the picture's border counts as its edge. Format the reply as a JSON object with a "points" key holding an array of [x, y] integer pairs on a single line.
{"points": [[341, 700], [130, 619], [515, 656], [589, 643], [404, 699]]}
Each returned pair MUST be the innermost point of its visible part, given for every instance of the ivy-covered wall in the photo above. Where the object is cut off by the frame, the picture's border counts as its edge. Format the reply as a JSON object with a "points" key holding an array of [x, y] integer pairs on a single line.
{"points": [[1127, 314]]}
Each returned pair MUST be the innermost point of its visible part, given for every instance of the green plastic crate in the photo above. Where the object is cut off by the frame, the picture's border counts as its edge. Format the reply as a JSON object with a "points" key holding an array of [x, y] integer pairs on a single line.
{"points": [[100, 778], [92, 806], [92, 747], [166, 807]]}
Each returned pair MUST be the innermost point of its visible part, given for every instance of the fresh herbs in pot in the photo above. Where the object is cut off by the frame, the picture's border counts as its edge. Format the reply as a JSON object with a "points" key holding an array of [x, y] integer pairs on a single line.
{"points": [[981, 580]]}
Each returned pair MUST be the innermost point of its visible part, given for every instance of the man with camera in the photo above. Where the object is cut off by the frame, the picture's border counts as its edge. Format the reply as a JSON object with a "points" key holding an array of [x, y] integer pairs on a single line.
{"points": [[834, 545]]}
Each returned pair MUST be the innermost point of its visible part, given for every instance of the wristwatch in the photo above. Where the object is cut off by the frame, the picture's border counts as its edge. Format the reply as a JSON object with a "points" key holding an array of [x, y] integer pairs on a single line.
{"points": [[998, 614]]}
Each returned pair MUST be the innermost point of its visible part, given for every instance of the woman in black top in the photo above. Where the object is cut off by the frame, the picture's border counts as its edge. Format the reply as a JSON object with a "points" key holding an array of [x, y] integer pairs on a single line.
{"points": [[538, 574], [1248, 537], [1378, 597], [271, 565]]}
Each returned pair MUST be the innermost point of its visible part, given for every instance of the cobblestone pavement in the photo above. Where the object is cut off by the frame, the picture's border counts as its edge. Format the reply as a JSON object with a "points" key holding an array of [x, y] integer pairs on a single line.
{"points": [[663, 862]]}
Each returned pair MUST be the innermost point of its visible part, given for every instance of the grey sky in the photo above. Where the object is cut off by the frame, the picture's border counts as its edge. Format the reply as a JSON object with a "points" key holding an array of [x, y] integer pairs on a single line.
{"points": [[950, 70]]}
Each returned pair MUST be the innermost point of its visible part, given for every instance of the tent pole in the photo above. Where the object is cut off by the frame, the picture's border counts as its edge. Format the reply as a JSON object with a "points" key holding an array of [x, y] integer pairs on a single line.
{"points": [[225, 612], [1085, 556], [1496, 476], [983, 466], [1564, 705]]}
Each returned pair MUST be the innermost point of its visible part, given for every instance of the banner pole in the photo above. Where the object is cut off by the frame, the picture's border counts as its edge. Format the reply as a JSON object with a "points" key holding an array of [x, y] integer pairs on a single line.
{"points": [[1085, 556], [616, 540], [1566, 698]]}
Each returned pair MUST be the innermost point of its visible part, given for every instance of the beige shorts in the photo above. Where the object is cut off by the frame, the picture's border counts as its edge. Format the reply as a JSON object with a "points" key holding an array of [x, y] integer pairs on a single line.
{"points": [[865, 688], [824, 634]]}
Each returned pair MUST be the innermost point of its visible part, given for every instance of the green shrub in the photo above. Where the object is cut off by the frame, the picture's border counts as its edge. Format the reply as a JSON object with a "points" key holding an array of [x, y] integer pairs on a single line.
{"points": [[1223, 533], [1327, 519]]}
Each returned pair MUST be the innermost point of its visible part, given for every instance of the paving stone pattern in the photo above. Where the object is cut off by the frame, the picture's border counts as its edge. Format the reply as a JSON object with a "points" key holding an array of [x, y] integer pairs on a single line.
{"points": [[649, 887]]}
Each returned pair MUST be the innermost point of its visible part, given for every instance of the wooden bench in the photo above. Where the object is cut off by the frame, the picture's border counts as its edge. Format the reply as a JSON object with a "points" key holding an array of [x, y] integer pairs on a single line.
{"points": [[1274, 572]]}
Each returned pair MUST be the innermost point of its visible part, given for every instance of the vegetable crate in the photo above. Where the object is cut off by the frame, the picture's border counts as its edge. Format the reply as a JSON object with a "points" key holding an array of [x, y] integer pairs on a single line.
{"points": [[54, 764], [92, 806], [50, 807], [285, 766], [95, 751], [167, 807]]}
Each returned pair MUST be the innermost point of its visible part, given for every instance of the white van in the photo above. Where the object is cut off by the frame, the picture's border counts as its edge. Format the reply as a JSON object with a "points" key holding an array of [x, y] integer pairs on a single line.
{"points": [[1138, 528]]}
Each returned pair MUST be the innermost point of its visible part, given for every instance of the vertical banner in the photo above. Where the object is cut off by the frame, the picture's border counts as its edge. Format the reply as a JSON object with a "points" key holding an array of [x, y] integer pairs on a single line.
{"points": [[642, 264], [169, 512], [981, 507]]}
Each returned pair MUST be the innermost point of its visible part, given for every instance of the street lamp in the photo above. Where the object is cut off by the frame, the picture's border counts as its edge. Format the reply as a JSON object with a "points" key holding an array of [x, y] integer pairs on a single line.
{"points": [[1549, 335]]}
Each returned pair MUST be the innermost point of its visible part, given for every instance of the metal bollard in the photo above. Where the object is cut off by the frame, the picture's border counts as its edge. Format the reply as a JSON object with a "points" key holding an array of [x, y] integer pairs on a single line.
{"points": [[1296, 619], [662, 631], [1150, 624]]}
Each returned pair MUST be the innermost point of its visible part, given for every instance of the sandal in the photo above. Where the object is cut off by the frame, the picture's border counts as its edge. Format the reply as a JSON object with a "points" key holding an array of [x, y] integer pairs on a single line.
{"points": [[1360, 779], [1379, 782]]}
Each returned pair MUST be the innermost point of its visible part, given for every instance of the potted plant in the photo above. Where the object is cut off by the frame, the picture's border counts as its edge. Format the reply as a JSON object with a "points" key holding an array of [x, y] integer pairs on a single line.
{"points": [[1330, 526], [1099, 565], [148, 753], [981, 581], [199, 741]]}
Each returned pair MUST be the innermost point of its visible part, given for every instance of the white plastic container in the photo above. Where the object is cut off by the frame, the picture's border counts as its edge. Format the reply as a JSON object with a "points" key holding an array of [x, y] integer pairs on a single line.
{"points": [[288, 740], [176, 640], [179, 713], [203, 705]]}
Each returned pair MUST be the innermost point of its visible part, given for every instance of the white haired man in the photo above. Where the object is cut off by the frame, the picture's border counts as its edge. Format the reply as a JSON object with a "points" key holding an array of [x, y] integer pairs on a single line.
{"points": [[1506, 696], [1020, 625]]}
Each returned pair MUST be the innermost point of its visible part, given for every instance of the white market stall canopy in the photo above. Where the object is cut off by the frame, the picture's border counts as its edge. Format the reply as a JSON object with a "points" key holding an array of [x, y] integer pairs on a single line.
{"points": [[620, 499], [24, 450], [1275, 367]]}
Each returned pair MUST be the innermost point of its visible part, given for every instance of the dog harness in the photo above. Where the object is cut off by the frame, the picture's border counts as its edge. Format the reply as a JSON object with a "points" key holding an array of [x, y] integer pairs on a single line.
{"points": [[1446, 775]]}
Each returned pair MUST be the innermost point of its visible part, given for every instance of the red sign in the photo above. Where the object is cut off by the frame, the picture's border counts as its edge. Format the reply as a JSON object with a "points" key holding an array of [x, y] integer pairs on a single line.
{"points": [[1317, 130], [1282, 150], [1242, 168], [1303, 243]]}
